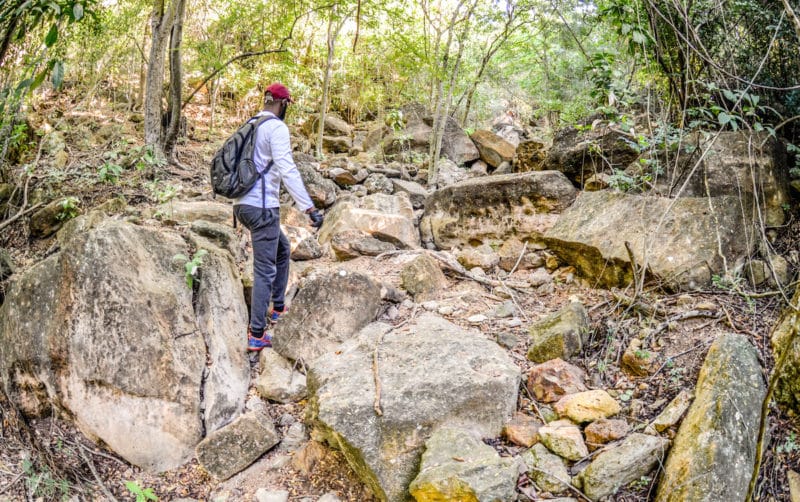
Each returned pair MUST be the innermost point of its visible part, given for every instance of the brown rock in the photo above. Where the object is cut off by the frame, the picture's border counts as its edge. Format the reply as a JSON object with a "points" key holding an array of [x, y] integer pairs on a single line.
{"points": [[794, 486], [522, 430], [604, 431], [564, 438], [307, 457], [530, 156], [552, 380], [422, 277], [494, 150], [637, 362], [513, 252], [587, 406]]}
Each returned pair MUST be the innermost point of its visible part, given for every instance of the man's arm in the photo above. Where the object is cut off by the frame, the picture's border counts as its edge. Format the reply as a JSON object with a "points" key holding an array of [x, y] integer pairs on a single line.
{"points": [[283, 161]]}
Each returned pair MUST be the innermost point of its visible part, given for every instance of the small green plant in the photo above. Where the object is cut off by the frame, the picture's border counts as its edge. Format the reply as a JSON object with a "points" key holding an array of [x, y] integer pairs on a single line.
{"points": [[626, 396], [642, 354], [191, 267], [162, 193], [43, 484], [69, 209], [142, 494], [109, 172], [395, 120], [641, 483], [789, 445]]}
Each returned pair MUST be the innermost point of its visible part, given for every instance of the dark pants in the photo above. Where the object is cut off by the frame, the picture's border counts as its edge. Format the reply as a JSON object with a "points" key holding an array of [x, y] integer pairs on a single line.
{"points": [[270, 260]]}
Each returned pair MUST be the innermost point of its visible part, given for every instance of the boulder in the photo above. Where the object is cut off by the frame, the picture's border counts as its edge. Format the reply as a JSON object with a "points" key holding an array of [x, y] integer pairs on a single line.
{"points": [[334, 126], [322, 190], [431, 373], [326, 311], [564, 438], [787, 390], [550, 381], [482, 256], [638, 362], [616, 467], [337, 144], [714, 451], [604, 431], [307, 249], [671, 414], [529, 156], [515, 255], [494, 150], [342, 177], [547, 470], [378, 183], [190, 211], [679, 239], [580, 154], [49, 219], [449, 173], [386, 217], [457, 465], [231, 449], [277, 379], [422, 278], [587, 406], [559, 335], [416, 192], [522, 430], [132, 366], [731, 163], [456, 145], [351, 244], [492, 208]]}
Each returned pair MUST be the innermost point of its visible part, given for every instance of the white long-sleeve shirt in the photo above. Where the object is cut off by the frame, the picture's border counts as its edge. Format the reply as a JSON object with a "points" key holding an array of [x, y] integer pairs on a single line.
{"points": [[272, 143]]}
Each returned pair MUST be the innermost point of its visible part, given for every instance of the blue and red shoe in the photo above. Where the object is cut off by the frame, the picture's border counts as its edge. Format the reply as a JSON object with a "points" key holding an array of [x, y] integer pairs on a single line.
{"points": [[274, 314], [254, 344]]}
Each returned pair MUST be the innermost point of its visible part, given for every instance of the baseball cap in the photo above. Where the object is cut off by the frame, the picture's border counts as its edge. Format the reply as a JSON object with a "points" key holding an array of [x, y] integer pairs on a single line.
{"points": [[279, 91]]}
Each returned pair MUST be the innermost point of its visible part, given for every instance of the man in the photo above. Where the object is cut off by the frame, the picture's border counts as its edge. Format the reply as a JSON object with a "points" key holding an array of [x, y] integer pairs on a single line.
{"points": [[259, 211]]}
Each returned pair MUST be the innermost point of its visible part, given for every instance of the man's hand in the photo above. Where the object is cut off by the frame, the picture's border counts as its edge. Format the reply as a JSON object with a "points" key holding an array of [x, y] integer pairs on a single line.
{"points": [[316, 218]]}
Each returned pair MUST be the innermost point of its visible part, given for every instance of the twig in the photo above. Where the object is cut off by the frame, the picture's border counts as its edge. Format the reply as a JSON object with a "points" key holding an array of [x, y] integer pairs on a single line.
{"points": [[633, 267], [82, 450], [20, 215], [514, 268], [671, 358], [692, 314], [649, 310], [12, 483]]}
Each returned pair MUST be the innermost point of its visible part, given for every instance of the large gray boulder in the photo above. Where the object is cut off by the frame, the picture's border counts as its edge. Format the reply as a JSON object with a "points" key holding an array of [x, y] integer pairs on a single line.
{"points": [[679, 240], [713, 454], [107, 331], [230, 449], [490, 209], [322, 190], [326, 312], [386, 217], [457, 465], [729, 163], [431, 373]]}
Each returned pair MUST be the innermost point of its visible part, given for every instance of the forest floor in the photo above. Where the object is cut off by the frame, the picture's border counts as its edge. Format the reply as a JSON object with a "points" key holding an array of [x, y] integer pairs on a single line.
{"points": [[47, 459]]}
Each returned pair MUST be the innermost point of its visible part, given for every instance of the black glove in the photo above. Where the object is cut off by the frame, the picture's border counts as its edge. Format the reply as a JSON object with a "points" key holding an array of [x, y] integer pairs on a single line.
{"points": [[316, 218]]}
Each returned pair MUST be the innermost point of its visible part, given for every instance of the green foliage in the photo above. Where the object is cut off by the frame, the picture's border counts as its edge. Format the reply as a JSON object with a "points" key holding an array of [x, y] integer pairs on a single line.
{"points": [[69, 208], [141, 494], [42, 482], [109, 172], [191, 267], [789, 445], [395, 120], [161, 192]]}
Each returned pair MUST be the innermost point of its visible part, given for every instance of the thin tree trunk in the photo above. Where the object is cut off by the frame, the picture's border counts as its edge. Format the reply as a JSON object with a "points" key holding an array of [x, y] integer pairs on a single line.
{"points": [[142, 73], [161, 22], [176, 81], [326, 84]]}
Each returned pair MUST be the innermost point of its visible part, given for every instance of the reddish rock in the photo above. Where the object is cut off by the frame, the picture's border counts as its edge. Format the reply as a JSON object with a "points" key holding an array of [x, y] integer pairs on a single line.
{"points": [[604, 431], [552, 380], [638, 362], [522, 430], [494, 150]]}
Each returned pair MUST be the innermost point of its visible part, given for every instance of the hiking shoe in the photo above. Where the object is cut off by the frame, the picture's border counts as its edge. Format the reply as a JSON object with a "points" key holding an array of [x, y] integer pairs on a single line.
{"points": [[255, 344], [274, 315]]}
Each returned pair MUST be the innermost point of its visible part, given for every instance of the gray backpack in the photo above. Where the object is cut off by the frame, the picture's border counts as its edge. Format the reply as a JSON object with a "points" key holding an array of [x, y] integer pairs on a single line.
{"points": [[233, 171]]}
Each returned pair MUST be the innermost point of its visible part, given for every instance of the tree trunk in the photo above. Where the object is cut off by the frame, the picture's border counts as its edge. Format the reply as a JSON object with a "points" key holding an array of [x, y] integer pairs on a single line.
{"points": [[139, 102], [176, 82], [326, 84], [161, 23]]}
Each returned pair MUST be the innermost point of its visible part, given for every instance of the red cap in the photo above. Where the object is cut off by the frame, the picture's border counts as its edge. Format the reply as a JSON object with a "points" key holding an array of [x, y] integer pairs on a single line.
{"points": [[279, 91]]}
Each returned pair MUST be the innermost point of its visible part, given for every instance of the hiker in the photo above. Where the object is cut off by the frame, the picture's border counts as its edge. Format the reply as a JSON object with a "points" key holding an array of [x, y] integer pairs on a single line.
{"points": [[259, 211]]}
